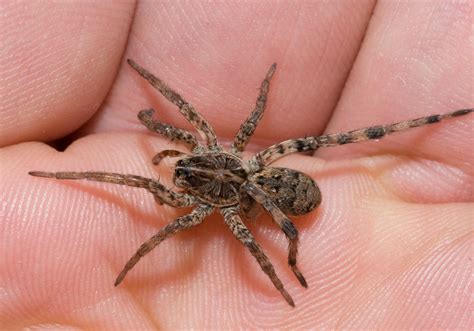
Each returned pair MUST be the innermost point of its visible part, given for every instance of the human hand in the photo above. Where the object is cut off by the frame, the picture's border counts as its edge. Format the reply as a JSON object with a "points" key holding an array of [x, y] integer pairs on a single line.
{"points": [[388, 248]]}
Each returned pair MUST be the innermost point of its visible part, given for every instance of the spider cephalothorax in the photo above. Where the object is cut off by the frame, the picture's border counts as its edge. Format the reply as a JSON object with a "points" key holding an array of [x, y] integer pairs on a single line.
{"points": [[211, 178]]}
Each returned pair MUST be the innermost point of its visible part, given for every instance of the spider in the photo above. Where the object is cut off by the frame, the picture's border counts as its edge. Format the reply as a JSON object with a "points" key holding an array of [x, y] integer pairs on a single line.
{"points": [[211, 178]]}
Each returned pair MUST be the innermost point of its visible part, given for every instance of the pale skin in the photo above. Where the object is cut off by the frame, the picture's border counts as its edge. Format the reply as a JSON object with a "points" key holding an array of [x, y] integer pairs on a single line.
{"points": [[388, 247]]}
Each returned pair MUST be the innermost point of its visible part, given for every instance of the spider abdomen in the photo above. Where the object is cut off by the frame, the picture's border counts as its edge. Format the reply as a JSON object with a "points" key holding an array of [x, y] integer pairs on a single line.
{"points": [[294, 192], [213, 177]]}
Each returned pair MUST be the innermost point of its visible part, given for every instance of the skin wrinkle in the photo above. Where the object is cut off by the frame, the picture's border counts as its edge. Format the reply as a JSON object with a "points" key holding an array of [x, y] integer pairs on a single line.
{"points": [[349, 71], [408, 266], [380, 167]]}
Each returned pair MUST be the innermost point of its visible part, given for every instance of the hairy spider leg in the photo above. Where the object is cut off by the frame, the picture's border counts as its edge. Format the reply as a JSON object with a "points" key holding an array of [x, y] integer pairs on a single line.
{"points": [[160, 192], [184, 222], [185, 108], [166, 153], [146, 117], [248, 127], [287, 226], [242, 233], [284, 148]]}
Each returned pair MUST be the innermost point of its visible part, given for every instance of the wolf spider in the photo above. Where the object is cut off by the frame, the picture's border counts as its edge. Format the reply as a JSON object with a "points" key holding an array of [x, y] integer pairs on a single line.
{"points": [[211, 178]]}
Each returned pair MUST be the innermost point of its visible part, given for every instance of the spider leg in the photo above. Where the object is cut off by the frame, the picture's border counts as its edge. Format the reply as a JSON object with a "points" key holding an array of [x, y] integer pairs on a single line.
{"points": [[370, 133], [241, 232], [146, 117], [283, 222], [248, 127], [160, 192], [166, 153], [181, 223], [185, 108]]}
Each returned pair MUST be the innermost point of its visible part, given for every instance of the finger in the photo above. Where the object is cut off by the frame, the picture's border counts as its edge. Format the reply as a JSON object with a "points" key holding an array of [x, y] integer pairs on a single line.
{"points": [[408, 68], [59, 64], [218, 67]]}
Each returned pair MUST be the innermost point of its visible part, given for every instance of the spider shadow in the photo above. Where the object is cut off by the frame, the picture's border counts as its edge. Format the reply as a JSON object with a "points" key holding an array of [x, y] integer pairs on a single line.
{"points": [[186, 265], [196, 239], [312, 220], [138, 217], [112, 198]]}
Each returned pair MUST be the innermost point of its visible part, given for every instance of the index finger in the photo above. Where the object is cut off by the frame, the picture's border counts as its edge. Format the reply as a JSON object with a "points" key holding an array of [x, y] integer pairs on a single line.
{"points": [[58, 64]]}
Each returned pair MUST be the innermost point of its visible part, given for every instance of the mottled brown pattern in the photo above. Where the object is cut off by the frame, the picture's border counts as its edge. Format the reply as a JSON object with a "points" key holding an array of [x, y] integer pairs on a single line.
{"points": [[215, 178], [166, 153], [146, 117], [185, 108], [292, 191], [210, 178], [242, 233], [284, 148], [248, 127], [160, 192], [181, 223]]}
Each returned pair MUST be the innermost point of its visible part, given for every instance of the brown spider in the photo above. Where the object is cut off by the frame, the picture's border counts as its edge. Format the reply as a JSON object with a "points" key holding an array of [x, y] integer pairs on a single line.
{"points": [[212, 178]]}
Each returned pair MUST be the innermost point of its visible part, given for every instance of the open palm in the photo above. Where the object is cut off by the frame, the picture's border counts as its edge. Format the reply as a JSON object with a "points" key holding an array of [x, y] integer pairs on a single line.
{"points": [[390, 245]]}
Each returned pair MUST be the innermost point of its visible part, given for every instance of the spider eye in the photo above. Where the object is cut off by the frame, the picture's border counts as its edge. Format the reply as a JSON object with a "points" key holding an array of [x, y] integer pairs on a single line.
{"points": [[183, 172]]}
